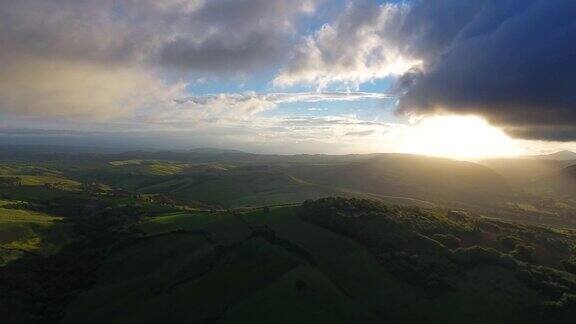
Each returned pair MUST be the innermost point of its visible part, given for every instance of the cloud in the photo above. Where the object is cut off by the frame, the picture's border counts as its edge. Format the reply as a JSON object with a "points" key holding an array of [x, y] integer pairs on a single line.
{"points": [[229, 35], [510, 61], [513, 63], [210, 109], [234, 107], [329, 121], [53, 88], [39, 132], [354, 49], [325, 96], [297, 134], [105, 58], [331, 134], [236, 36], [361, 133]]}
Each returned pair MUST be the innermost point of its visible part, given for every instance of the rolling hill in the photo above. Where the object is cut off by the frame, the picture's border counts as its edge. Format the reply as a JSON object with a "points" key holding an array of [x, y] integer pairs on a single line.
{"points": [[25, 232], [413, 176], [559, 156], [228, 238], [333, 260], [560, 183], [234, 183], [523, 171]]}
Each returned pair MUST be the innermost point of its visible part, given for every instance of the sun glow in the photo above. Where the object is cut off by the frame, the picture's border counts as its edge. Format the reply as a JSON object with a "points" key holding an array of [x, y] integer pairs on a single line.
{"points": [[460, 137]]}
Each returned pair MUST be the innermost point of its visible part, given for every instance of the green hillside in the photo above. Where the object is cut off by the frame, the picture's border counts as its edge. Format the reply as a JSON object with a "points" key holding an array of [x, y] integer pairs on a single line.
{"points": [[435, 179], [523, 171], [560, 184], [334, 260], [229, 239], [27, 174], [25, 232], [396, 178]]}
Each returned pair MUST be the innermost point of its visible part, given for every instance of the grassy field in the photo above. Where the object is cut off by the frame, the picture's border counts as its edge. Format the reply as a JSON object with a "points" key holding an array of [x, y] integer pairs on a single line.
{"points": [[147, 167], [212, 267], [23, 231], [34, 175], [256, 274]]}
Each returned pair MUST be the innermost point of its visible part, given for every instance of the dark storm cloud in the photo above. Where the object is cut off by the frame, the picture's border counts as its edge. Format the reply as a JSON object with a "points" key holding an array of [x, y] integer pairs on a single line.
{"points": [[513, 62]]}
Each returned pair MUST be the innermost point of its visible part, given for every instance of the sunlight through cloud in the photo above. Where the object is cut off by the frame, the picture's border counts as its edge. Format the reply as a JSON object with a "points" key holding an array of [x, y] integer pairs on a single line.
{"points": [[461, 137]]}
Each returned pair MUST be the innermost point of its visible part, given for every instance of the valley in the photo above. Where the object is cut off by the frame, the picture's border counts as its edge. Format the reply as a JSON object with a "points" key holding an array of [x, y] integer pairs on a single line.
{"points": [[232, 237]]}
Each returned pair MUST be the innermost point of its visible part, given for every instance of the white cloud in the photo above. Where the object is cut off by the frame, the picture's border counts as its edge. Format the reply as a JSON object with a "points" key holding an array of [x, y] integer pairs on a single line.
{"points": [[324, 96], [354, 49], [227, 108], [221, 108]]}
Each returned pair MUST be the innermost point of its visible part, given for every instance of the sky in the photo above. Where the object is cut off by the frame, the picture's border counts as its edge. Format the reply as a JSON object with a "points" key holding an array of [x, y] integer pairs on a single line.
{"points": [[463, 79]]}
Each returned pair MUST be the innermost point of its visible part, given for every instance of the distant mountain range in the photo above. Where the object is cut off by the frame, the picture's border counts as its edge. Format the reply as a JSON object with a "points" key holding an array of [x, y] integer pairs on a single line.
{"points": [[551, 174], [560, 156], [531, 167], [212, 150]]}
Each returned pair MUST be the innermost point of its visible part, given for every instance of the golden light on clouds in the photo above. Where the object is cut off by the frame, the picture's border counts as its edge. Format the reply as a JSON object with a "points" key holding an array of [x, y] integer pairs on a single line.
{"points": [[459, 137]]}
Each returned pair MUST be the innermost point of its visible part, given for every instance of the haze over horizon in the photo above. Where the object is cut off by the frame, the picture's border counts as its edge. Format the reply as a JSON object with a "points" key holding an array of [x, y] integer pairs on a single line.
{"points": [[465, 80]]}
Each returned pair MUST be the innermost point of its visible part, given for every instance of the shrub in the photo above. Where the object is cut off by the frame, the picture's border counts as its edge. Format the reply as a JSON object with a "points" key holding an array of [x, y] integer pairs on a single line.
{"points": [[570, 265], [508, 242], [477, 255], [561, 311], [300, 285], [448, 240], [424, 270], [523, 252]]}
